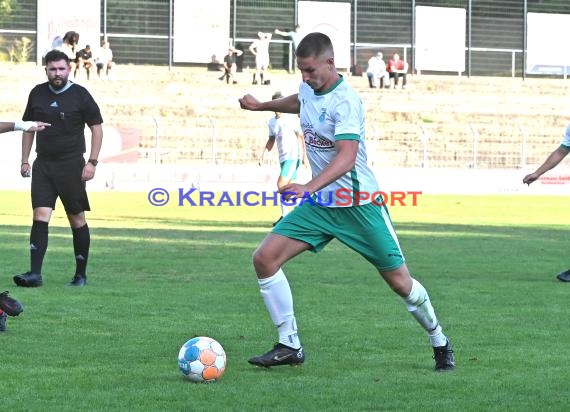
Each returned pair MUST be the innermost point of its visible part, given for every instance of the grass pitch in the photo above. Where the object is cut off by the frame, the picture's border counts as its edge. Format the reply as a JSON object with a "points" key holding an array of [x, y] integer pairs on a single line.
{"points": [[160, 275]]}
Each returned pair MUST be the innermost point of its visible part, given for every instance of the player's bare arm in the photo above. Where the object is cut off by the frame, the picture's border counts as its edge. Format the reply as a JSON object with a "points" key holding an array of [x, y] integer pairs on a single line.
{"points": [[267, 148], [341, 164], [288, 104], [27, 141], [22, 126], [96, 142], [253, 49], [304, 159], [552, 161]]}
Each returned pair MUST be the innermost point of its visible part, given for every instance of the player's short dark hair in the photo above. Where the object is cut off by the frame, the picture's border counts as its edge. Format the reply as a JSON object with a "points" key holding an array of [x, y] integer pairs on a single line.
{"points": [[313, 45], [276, 95], [55, 56]]}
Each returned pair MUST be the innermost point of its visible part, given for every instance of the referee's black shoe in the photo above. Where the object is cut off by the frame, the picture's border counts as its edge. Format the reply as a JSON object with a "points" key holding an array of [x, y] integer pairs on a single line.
{"points": [[28, 280], [564, 276], [78, 280]]}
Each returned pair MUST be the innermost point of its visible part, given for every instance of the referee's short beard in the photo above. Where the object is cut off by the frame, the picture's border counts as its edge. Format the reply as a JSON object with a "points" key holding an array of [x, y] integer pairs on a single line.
{"points": [[58, 83]]}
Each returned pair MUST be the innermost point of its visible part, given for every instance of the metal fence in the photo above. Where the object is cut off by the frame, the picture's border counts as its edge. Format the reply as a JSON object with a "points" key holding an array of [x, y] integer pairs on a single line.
{"points": [[141, 30]]}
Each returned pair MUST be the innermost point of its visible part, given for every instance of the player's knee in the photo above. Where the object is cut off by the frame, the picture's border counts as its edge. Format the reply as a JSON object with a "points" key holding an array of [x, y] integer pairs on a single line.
{"points": [[258, 259], [399, 280], [77, 220], [263, 262]]}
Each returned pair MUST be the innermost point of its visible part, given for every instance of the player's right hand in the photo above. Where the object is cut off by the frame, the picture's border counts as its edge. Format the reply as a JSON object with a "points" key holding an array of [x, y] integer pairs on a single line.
{"points": [[528, 179], [39, 127], [248, 102], [25, 170]]}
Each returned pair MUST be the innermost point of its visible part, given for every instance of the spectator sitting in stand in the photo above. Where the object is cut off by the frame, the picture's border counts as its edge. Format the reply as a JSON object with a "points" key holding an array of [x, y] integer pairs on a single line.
{"points": [[69, 47], [84, 59], [230, 65], [397, 68], [104, 59], [377, 71], [214, 65]]}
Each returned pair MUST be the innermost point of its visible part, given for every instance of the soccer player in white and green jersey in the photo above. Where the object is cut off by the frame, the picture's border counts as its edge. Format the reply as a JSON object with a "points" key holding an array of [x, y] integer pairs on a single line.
{"points": [[332, 119], [552, 161]]}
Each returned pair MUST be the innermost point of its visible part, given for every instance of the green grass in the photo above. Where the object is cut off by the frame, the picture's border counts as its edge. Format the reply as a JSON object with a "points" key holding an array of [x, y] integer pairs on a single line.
{"points": [[160, 275]]}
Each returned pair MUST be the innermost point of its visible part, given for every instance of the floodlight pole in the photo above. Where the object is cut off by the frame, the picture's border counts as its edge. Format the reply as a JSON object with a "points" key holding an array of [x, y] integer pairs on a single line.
{"points": [[355, 33], [469, 27], [170, 33], [234, 29], [413, 37], [525, 28], [104, 21]]}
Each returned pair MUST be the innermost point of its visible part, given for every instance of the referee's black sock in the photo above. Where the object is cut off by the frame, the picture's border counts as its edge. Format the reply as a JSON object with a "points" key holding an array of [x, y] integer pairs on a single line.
{"points": [[38, 245], [81, 242]]}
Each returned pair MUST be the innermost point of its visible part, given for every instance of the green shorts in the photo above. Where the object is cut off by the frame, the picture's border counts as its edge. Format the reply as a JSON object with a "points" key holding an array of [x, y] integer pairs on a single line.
{"points": [[366, 229], [289, 169]]}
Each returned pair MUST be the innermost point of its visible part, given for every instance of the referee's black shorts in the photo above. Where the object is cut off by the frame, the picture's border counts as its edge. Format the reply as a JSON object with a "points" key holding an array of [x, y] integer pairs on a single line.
{"points": [[59, 178]]}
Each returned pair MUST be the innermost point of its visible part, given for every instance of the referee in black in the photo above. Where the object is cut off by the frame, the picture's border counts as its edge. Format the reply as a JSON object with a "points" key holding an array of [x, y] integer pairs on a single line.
{"points": [[60, 169]]}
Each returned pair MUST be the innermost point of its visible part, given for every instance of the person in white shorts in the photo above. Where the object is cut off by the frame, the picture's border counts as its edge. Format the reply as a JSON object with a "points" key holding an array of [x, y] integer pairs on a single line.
{"points": [[260, 49], [285, 129]]}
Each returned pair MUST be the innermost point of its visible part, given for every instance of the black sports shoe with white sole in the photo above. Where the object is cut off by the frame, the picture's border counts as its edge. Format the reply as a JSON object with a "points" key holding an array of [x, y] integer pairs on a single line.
{"points": [[279, 355], [444, 359]]}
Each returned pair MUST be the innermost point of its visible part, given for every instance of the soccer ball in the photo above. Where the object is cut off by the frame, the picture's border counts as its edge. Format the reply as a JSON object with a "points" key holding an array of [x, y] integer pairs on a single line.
{"points": [[202, 359]]}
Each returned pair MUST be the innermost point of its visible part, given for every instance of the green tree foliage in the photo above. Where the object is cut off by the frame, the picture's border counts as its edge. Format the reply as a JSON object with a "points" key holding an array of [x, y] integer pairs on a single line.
{"points": [[6, 12], [7, 8], [20, 50]]}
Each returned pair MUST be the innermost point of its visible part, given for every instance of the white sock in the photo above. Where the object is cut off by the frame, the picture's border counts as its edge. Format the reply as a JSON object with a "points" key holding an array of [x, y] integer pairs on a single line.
{"points": [[420, 307], [278, 299]]}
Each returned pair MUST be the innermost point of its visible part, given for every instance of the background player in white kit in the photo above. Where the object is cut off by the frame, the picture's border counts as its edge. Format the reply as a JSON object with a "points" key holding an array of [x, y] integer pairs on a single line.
{"points": [[260, 49], [285, 130]]}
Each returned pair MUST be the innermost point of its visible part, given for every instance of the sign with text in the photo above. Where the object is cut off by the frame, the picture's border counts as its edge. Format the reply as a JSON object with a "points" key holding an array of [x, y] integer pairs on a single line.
{"points": [[54, 22]]}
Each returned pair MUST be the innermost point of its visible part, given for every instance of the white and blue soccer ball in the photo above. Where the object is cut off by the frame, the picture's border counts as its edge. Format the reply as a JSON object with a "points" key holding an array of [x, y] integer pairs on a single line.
{"points": [[202, 359]]}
